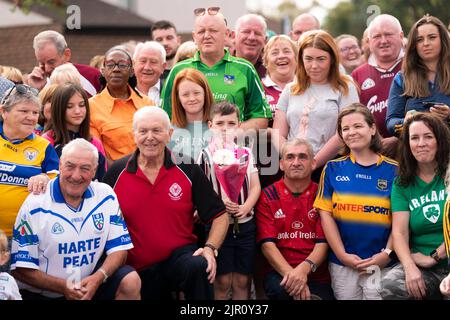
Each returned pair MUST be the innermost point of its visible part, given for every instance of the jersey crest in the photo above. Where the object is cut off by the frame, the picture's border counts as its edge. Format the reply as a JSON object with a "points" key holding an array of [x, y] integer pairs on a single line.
{"points": [[432, 212], [99, 221]]}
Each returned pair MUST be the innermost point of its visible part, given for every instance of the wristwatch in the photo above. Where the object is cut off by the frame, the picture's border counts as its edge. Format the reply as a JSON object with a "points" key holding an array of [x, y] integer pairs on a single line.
{"points": [[312, 264], [435, 255], [213, 248], [391, 253]]}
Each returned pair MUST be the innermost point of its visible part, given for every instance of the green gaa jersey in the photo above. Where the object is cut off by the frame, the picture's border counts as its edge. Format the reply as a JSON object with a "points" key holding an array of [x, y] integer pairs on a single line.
{"points": [[232, 79], [425, 202]]}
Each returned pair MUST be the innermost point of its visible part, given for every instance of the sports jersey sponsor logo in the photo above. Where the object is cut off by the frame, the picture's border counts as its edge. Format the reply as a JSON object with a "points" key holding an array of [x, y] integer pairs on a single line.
{"points": [[211, 74], [77, 253], [361, 208], [376, 107], [24, 228], [30, 153], [7, 167], [297, 225], [10, 147], [9, 179], [57, 228], [367, 84], [342, 178], [430, 197], [279, 214], [363, 176], [296, 235], [175, 191], [219, 96], [432, 212], [99, 221], [313, 214], [228, 79], [387, 75], [382, 184]]}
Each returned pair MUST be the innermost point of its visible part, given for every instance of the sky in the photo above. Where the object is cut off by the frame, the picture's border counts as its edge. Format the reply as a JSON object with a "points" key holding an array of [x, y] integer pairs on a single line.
{"points": [[269, 5]]}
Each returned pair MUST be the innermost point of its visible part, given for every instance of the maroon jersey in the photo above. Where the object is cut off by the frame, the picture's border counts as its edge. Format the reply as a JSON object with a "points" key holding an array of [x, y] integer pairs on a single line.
{"points": [[292, 224], [374, 84]]}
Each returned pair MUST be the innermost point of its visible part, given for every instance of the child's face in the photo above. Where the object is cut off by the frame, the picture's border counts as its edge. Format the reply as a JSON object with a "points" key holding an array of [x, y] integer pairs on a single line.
{"points": [[4, 256], [225, 125], [192, 97]]}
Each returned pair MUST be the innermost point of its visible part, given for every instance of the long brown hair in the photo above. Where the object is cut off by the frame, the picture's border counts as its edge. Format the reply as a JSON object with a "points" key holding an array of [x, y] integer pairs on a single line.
{"points": [[324, 41], [59, 103], [415, 70], [375, 142], [178, 112], [407, 162]]}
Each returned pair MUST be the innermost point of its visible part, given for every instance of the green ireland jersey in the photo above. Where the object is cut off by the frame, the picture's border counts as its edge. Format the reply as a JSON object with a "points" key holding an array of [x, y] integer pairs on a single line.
{"points": [[425, 202], [232, 79]]}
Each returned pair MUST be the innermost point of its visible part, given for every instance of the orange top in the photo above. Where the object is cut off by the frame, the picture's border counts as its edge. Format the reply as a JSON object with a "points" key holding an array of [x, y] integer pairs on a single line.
{"points": [[112, 121]]}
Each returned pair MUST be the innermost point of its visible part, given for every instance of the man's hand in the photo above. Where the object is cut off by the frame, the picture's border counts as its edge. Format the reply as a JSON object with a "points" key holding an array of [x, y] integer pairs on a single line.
{"points": [[350, 260], [445, 286], [208, 254], [89, 285], [380, 259], [294, 281], [305, 294], [37, 78], [38, 183]]}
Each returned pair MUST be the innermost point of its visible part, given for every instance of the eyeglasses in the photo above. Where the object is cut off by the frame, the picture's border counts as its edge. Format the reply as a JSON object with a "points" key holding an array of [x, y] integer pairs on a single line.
{"points": [[347, 49], [212, 11], [120, 65], [21, 89]]}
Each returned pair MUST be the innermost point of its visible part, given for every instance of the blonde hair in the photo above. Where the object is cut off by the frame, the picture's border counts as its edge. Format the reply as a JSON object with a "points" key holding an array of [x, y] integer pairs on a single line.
{"points": [[3, 242], [185, 51], [65, 73], [12, 74], [272, 41]]}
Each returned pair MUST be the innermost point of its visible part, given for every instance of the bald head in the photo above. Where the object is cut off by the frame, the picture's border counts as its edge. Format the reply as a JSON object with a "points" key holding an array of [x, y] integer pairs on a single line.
{"points": [[385, 39], [209, 34], [304, 22]]}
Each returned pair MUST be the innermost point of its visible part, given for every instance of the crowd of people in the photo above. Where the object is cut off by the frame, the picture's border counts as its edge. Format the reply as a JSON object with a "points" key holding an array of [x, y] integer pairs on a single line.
{"points": [[146, 174]]}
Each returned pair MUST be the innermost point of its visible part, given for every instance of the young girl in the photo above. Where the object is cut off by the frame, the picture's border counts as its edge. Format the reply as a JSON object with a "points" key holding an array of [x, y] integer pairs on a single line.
{"points": [[235, 261], [70, 119], [8, 286], [191, 103]]}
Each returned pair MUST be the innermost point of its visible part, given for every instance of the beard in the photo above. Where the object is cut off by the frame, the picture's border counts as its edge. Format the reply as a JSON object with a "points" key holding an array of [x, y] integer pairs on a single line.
{"points": [[170, 57]]}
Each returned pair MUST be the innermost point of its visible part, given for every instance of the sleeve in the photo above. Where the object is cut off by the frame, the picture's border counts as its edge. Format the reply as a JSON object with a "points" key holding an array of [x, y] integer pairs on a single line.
{"points": [[395, 113], [93, 123], [251, 163], [399, 200], [118, 236], [265, 223], [50, 165], [256, 105], [166, 94], [283, 101], [25, 242], [447, 226], [351, 97], [205, 199], [325, 192], [320, 235]]}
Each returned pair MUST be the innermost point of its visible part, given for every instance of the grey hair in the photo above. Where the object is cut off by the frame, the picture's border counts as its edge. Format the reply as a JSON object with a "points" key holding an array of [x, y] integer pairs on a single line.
{"points": [[3, 242], [297, 142], [51, 36], [249, 16], [149, 45], [150, 111], [380, 19], [16, 98], [80, 143], [65, 73]]}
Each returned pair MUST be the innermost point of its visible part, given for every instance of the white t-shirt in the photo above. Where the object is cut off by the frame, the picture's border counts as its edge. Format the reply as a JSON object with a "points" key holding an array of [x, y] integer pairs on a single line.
{"points": [[8, 287], [313, 114], [66, 242]]}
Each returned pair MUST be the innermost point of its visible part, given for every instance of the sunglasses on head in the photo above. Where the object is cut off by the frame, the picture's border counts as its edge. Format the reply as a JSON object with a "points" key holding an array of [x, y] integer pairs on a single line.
{"points": [[212, 11], [21, 89]]}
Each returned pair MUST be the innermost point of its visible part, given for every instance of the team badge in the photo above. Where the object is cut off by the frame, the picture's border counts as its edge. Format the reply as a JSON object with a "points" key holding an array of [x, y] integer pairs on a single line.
{"points": [[228, 79], [367, 84], [30, 153], [432, 212], [99, 221], [313, 214], [279, 214], [297, 225], [382, 184], [175, 191], [57, 228]]}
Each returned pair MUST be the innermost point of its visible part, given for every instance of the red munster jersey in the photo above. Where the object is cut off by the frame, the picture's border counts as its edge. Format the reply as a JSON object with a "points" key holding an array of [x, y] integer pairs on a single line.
{"points": [[292, 224], [374, 84]]}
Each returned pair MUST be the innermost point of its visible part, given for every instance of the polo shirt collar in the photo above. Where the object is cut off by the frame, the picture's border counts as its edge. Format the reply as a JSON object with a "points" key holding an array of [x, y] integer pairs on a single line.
{"points": [[268, 82], [132, 164], [372, 61], [17, 141], [58, 197], [108, 100], [286, 193]]}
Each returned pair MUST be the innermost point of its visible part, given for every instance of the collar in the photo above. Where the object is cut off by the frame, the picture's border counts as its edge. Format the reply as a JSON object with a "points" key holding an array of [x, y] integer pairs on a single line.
{"points": [[226, 57], [107, 100], [17, 141], [268, 82], [287, 193], [57, 196], [156, 87], [371, 61], [380, 158], [132, 164]]}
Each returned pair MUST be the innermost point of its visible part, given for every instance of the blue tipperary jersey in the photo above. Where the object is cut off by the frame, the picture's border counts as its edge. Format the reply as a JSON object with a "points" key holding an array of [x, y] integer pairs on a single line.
{"points": [[66, 242], [359, 199]]}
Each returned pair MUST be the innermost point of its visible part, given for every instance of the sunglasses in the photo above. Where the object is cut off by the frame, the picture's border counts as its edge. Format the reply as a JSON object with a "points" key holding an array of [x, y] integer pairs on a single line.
{"points": [[212, 11], [21, 89]]}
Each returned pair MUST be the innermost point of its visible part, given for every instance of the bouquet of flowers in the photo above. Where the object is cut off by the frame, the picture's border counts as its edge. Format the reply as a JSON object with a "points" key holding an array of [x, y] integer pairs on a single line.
{"points": [[230, 165]]}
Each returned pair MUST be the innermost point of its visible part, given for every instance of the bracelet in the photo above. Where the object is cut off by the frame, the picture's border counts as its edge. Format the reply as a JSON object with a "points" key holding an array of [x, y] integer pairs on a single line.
{"points": [[105, 275]]}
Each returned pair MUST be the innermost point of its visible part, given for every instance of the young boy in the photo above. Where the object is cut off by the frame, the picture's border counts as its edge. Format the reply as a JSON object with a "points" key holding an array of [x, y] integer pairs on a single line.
{"points": [[8, 286], [236, 256]]}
